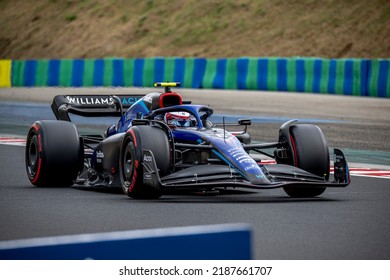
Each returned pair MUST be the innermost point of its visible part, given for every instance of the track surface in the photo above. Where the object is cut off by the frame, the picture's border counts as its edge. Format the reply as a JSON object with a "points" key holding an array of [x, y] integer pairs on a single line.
{"points": [[351, 223]]}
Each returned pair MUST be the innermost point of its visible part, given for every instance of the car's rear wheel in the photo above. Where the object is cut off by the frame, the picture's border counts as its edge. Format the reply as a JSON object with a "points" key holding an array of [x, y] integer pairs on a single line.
{"points": [[131, 169], [53, 154], [309, 151]]}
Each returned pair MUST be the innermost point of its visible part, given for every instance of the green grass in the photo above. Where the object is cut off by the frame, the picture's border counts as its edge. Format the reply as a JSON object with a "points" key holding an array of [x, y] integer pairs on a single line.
{"points": [[71, 17]]}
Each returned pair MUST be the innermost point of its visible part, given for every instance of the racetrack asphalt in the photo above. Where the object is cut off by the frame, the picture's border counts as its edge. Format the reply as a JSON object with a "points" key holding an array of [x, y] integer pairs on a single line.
{"points": [[350, 223]]}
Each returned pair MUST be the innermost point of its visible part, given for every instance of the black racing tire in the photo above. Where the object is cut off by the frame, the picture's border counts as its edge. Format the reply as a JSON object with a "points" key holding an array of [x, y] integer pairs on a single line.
{"points": [[309, 152], [53, 154], [131, 170]]}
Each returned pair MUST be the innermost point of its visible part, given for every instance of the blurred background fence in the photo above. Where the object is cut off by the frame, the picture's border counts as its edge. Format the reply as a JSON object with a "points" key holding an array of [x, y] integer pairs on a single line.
{"points": [[359, 77]]}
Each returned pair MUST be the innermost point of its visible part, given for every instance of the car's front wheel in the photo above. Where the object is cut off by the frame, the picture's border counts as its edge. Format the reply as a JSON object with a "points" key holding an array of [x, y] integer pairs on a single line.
{"points": [[136, 140], [309, 151]]}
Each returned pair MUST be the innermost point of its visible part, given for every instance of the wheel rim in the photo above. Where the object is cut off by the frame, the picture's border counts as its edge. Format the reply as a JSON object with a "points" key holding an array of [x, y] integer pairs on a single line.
{"points": [[33, 156], [128, 164]]}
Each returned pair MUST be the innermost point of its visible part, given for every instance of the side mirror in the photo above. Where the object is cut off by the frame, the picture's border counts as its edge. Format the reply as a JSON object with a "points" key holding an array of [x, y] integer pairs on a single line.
{"points": [[244, 121]]}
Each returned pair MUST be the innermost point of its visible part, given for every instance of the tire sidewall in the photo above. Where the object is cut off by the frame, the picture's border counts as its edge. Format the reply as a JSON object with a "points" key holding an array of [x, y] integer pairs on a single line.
{"points": [[136, 139], [60, 154], [34, 175], [309, 151], [130, 145]]}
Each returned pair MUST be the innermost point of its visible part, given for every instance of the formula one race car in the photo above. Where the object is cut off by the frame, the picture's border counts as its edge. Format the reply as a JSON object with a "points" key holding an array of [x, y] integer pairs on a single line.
{"points": [[163, 143]]}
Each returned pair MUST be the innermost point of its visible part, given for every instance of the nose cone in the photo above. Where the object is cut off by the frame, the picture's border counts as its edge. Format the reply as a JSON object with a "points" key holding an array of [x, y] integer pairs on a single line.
{"points": [[231, 151]]}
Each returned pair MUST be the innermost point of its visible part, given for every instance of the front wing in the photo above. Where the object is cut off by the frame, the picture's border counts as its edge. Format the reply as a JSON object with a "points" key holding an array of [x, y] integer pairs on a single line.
{"points": [[213, 176]]}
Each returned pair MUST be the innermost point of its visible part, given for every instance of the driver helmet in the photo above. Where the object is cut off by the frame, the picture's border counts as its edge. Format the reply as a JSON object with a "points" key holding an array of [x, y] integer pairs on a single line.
{"points": [[179, 119]]}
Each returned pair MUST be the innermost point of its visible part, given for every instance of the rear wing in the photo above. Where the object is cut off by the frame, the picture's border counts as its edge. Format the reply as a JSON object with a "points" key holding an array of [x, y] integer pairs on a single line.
{"points": [[92, 105]]}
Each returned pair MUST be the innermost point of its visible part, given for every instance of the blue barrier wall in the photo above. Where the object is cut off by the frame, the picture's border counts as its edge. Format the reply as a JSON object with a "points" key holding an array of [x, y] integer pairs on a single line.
{"points": [[360, 77], [214, 242]]}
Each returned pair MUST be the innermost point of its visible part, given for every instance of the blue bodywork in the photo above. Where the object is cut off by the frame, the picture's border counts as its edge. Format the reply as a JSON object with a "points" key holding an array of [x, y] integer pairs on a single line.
{"points": [[225, 145]]}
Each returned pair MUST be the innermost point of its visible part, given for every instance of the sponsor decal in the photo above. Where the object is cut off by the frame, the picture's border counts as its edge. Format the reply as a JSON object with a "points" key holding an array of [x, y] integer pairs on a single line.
{"points": [[147, 158], [90, 100], [129, 100], [339, 158], [251, 167], [240, 155], [100, 100], [99, 156]]}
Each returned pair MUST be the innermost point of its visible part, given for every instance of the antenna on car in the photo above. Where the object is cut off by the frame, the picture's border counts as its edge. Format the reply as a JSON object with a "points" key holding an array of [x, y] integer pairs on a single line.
{"points": [[224, 131]]}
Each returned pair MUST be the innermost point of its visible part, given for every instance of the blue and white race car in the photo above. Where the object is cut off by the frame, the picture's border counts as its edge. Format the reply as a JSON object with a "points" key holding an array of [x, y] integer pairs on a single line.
{"points": [[162, 143]]}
